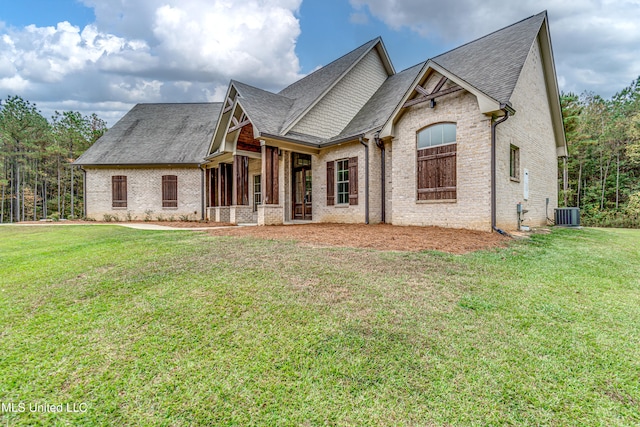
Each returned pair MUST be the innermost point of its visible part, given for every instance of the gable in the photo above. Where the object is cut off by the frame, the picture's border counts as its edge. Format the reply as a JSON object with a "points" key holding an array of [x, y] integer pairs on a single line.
{"points": [[492, 63], [338, 107], [533, 99]]}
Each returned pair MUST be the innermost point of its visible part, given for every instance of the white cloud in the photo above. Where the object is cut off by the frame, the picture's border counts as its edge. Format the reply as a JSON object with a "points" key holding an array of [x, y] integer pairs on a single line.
{"points": [[152, 51], [596, 42]]}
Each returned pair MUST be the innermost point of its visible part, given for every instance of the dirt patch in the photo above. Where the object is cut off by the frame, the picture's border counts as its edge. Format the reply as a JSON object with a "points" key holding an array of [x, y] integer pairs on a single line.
{"points": [[380, 237]]}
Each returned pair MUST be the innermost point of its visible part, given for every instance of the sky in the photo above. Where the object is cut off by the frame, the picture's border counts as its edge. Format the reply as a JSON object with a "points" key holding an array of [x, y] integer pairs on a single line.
{"points": [[105, 56]]}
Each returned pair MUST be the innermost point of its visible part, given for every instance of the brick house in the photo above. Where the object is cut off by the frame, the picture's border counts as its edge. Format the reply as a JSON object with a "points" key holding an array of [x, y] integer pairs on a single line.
{"points": [[148, 164], [457, 141]]}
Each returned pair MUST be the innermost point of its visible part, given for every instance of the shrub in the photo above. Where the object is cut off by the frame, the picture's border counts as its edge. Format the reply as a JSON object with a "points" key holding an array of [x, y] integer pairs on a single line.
{"points": [[614, 219]]}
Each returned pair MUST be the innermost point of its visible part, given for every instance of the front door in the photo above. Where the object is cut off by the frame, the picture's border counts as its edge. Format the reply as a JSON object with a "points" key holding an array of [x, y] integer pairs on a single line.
{"points": [[301, 164]]}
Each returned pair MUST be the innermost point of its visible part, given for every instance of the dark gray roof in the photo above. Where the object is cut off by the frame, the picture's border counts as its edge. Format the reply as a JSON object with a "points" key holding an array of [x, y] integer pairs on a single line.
{"points": [[492, 64], [273, 113], [307, 90], [156, 134], [381, 105], [266, 110]]}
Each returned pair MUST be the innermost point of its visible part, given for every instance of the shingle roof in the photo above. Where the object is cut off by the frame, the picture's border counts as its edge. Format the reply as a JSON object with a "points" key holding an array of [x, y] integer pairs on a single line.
{"points": [[492, 64], [307, 90], [181, 133], [156, 134], [381, 105], [266, 110]]}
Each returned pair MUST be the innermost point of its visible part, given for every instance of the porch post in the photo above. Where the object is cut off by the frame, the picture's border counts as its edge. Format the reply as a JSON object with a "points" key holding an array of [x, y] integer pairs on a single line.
{"points": [[270, 212], [241, 180], [270, 173]]}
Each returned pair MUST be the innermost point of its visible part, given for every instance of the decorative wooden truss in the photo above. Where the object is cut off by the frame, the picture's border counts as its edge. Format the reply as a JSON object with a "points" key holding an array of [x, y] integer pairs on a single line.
{"points": [[428, 96]]}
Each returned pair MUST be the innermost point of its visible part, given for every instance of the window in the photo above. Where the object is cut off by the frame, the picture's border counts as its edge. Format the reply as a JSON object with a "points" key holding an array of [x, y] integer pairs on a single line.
{"points": [[169, 191], [342, 175], [514, 163], [342, 169], [435, 135], [436, 168], [257, 191], [119, 191]]}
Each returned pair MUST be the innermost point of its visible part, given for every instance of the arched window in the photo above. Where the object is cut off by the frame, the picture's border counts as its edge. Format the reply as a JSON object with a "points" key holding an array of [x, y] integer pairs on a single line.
{"points": [[436, 169]]}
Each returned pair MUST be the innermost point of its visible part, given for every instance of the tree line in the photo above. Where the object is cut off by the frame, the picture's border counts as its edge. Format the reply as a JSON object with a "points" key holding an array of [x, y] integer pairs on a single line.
{"points": [[603, 167], [37, 179], [600, 176]]}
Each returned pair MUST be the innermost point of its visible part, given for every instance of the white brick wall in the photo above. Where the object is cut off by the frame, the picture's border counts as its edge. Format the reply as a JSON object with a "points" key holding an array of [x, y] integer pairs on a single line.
{"points": [[472, 208], [531, 130], [270, 215], [337, 213], [144, 192], [343, 102]]}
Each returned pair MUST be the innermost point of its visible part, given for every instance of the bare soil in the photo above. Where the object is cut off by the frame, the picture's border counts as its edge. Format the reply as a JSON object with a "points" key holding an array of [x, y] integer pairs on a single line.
{"points": [[380, 237]]}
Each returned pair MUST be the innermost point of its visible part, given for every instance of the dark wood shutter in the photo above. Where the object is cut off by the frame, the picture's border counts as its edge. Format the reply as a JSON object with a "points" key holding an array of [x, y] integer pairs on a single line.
{"points": [[271, 187], [353, 180], [437, 173], [169, 191], [331, 185], [119, 191]]}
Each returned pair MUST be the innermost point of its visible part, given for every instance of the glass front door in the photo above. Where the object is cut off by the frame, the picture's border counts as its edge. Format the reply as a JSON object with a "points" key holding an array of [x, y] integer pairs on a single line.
{"points": [[301, 164]]}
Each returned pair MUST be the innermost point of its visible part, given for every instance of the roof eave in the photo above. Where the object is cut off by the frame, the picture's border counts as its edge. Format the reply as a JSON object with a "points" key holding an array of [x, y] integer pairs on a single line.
{"points": [[553, 92], [290, 144], [139, 164]]}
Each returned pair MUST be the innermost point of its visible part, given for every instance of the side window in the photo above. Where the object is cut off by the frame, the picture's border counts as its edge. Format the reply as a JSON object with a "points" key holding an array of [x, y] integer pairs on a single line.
{"points": [[342, 182], [257, 191], [342, 179], [119, 191], [169, 191], [436, 165], [514, 163]]}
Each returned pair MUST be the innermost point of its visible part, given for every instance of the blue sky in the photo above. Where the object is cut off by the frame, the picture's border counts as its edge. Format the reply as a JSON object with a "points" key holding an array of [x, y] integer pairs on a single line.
{"points": [[105, 56]]}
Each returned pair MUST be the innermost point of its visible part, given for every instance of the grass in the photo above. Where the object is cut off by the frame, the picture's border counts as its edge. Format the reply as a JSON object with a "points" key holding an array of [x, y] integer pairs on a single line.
{"points": [[181, 329]]}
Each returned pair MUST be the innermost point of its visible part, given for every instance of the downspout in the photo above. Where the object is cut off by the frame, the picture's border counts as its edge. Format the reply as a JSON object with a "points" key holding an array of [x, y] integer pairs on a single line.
{"points": [[366, 181], [84, 192], [380, 145], [202, 192], [495, 124]]}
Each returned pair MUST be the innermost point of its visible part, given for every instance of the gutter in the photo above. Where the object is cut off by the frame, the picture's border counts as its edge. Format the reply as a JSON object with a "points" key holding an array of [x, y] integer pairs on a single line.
{"points": [[508, 111], [84, 192], [380, 145], [366, 180]]}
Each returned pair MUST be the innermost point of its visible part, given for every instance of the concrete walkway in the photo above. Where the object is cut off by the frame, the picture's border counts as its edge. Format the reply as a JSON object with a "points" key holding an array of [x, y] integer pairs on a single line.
{"points": [[135, 225]]}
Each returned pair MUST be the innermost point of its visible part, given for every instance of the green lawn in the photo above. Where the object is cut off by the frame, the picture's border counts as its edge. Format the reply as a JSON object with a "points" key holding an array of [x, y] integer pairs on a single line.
{"points": [[180, 328]]}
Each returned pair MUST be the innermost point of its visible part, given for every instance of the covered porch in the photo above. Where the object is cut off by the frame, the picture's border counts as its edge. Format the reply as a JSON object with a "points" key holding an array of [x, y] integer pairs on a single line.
{"points": [[271, 187]]}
